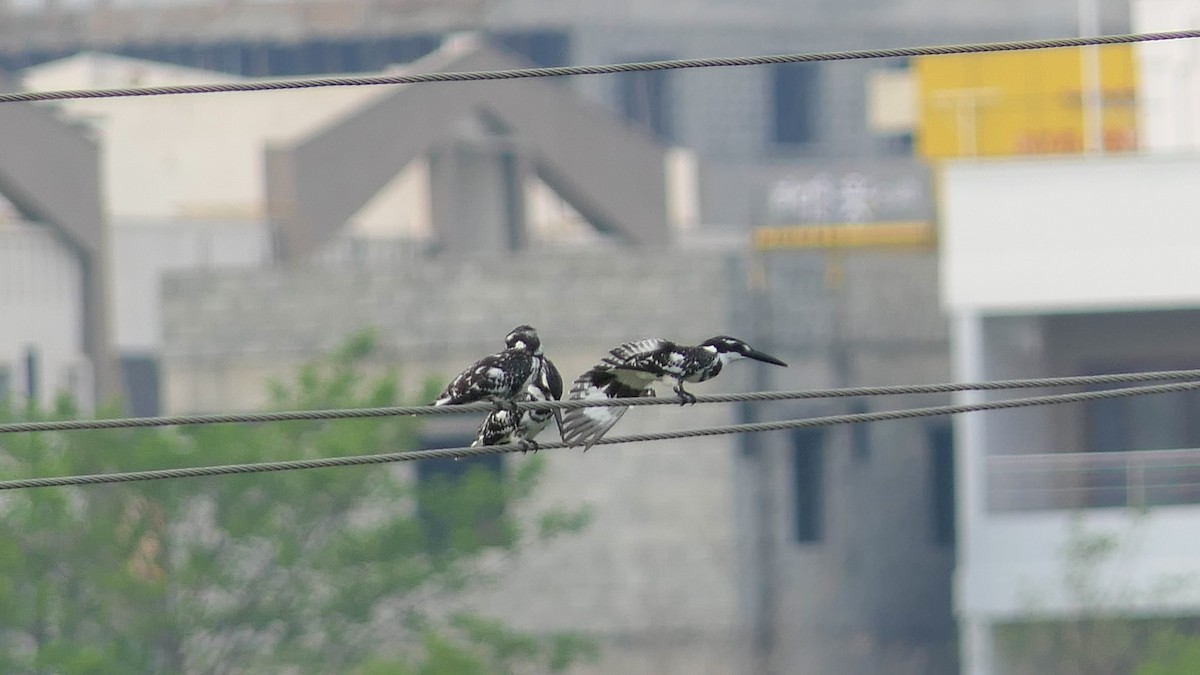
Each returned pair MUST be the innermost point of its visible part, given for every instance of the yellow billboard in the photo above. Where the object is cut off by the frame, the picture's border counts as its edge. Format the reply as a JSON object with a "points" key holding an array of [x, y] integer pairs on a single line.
{"points": [[1022, 103]]}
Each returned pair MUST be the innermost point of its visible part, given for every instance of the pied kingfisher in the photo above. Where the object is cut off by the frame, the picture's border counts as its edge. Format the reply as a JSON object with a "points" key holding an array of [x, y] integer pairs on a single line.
{"points": [[501, 378], [520, 426], [630, 369]]}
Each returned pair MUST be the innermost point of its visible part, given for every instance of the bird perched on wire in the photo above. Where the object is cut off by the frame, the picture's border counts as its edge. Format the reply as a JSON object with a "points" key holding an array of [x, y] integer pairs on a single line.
{"points": [[520, 426], [630, 370], [501, 378]]}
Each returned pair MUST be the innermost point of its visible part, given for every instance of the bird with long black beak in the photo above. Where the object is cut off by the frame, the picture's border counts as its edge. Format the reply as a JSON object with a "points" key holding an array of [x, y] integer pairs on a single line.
{"points": [[630, 370]]}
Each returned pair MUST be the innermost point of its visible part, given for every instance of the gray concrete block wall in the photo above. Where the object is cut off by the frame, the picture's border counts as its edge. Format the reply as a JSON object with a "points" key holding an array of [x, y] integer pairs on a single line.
{"points": [[667, 574], [464, 305], [656, 574], [892, 297], [875, 592]]}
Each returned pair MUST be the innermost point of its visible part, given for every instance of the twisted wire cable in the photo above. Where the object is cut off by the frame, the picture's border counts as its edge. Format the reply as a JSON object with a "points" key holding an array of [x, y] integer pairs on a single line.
{"points": [[394, 411], [564, 71], [456, 453]]}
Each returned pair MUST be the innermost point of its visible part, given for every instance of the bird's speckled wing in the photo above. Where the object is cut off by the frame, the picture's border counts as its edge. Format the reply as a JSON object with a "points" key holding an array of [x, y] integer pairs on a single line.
{"points": [[646, 355], [502, 376], [505, 426]]}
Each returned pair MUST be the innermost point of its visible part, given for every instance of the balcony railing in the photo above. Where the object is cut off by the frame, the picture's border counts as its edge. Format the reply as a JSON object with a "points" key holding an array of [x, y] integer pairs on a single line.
{"points": [[1093, 480]]}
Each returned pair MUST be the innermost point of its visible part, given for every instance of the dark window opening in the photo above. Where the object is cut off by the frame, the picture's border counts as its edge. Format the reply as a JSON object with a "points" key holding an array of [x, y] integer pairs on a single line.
{"points": [[645, 99], [795, 103], [901, 145], [140, 374], [941, 483], [1162, 422], [33, 375], [808, 483], [461, 502]]}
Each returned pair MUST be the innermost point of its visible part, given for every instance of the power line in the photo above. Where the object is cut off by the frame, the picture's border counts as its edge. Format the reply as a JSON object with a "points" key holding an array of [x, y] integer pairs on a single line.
{"points": [[564, 71], [399, 411], [446, 453]]}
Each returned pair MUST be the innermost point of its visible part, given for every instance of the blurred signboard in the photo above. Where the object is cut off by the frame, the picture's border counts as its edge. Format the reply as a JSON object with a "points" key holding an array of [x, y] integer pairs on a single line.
{"points": [[1021, 103], [849, 195], [915, 234]]}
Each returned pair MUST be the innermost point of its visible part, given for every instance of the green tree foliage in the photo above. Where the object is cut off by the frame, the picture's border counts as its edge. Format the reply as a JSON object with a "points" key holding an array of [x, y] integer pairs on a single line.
{"points": [[1172, 653], [334, 570]]}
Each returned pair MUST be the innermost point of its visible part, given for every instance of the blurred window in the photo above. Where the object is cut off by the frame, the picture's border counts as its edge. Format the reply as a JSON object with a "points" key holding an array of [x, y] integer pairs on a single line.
{"points": [[808, 480]]}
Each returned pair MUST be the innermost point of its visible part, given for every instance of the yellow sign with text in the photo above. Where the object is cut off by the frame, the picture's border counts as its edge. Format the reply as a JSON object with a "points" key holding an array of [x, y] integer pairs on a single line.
{"points": [[1023, 103], [850, 235]]}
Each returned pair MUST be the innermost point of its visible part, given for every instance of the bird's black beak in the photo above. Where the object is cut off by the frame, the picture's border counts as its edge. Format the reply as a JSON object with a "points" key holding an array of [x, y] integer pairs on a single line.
{"points": [[765, 358]]}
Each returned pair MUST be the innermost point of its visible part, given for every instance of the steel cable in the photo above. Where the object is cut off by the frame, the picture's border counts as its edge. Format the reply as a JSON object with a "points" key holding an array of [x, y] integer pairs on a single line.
{"points": [[443, 453]]}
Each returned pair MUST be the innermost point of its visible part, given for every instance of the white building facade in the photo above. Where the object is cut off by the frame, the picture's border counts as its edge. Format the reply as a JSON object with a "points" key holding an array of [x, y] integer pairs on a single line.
{"points": [[41, 302], [1072, 266], [182, 175], [1168, 77]]}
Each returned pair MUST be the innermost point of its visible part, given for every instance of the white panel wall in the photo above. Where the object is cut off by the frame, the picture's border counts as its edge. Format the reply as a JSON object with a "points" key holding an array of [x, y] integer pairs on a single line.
{"points": [[1168, 77], [1071, 234], [41, 308], [1016, 566]]}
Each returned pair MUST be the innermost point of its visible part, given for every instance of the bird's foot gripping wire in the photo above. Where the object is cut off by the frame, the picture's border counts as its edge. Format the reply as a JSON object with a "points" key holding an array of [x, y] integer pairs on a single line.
{"points": [[528, 445], [684, 396]]}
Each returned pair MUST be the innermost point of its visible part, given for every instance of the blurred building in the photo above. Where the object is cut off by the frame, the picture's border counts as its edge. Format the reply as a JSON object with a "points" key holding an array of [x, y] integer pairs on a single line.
{"points": [[1068, 266], [809, 552], [584, 244], [1071, 267], [658, 576], [766, 121], [727, 554], [242, 181], [53, 265], [843, 512]]}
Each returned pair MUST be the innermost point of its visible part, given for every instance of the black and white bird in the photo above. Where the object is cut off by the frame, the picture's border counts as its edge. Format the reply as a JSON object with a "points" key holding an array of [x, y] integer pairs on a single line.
{"points": [[520, 426], [630, 370], [501, 378]]}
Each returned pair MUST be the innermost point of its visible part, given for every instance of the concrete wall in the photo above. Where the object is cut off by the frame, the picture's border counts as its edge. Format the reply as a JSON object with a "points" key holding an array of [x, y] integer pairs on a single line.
{"points": [[433, 314], [672, 572], [142, 251], [873, 594], [656, 575]]}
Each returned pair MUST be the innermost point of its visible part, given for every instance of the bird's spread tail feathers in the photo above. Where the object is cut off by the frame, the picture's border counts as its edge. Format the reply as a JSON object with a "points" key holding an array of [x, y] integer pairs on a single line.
{"points": [[585, 426]]}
